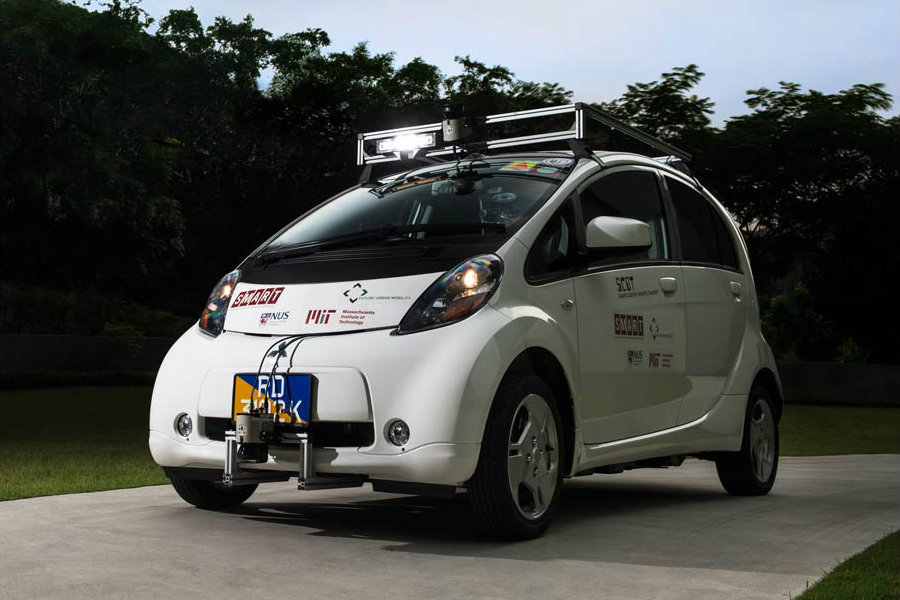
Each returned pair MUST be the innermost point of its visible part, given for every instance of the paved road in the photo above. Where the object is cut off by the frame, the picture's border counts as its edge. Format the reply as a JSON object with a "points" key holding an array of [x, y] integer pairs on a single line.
{"points": [[645, 534]]}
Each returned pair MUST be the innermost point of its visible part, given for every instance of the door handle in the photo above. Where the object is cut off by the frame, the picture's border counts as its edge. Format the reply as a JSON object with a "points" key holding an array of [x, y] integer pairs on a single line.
{"points": [[567, 304], [668, 284], [736, 289]]}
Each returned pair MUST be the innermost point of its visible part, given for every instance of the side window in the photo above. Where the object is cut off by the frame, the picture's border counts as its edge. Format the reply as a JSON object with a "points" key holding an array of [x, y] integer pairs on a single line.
{"points": [[634, 195], [704, 236], [553, 252], [727, 253]]}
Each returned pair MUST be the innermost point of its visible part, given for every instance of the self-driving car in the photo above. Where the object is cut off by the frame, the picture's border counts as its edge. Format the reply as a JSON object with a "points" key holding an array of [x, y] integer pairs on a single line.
{"points": [[482, 323]]}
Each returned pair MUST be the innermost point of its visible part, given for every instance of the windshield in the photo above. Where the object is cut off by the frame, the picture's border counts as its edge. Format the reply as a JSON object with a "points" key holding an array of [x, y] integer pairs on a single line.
{"points": [[443, 200]]}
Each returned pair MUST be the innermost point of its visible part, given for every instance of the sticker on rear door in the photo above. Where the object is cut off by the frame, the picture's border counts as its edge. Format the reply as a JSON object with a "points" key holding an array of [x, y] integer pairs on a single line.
{"points": [[630, 326], [625, 288]]}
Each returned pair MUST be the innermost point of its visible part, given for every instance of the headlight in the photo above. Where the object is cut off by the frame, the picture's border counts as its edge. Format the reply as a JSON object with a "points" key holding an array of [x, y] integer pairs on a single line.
{"points": [[213, 318], [459, 293]]}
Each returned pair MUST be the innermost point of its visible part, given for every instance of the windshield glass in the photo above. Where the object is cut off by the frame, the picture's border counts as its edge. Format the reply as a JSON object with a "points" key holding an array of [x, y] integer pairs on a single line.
{"points": [[445, 199]]}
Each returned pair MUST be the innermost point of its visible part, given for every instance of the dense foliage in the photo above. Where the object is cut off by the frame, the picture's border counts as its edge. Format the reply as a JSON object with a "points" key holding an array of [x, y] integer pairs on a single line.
{"points": [[139, 162]]}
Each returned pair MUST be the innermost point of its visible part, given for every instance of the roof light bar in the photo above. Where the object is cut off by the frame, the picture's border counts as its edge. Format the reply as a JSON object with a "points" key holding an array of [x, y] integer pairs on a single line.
{"points": [[391, 144], [406, 142]]}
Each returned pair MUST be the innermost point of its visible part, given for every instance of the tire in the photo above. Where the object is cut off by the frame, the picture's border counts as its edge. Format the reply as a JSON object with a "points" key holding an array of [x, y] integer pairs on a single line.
{"points": [[517, 485], [751, 470], [211, 495]]}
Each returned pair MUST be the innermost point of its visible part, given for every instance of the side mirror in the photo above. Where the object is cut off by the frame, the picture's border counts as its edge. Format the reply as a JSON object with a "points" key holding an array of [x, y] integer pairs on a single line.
{"points": [[618, 233]]}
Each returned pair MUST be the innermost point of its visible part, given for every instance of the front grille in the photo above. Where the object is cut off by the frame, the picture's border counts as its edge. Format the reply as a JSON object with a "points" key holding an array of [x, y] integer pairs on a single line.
{"points": [[324, 434]]}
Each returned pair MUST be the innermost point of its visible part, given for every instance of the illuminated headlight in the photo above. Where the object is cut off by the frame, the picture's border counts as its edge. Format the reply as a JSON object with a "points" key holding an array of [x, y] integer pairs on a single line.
{"points": [[212, 321], [459, 293], [405, 143], [183, 425]]}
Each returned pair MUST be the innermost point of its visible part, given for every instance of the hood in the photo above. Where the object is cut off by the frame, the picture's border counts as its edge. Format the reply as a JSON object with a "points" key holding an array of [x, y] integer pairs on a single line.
{"points": [[314, 308]]}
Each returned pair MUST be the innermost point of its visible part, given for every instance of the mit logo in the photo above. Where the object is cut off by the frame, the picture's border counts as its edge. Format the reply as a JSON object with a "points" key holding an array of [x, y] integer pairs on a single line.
{"points": [[319, 317]]}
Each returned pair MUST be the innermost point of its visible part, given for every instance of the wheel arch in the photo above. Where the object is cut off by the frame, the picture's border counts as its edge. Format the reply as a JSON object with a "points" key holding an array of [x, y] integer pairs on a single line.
{"points": [[544, 364], [767, 378]]}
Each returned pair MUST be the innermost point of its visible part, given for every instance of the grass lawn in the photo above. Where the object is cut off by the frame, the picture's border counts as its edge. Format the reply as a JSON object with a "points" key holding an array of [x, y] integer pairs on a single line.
{"points": [[65, 440], [59, 441], [872, 574], [820, 430]]}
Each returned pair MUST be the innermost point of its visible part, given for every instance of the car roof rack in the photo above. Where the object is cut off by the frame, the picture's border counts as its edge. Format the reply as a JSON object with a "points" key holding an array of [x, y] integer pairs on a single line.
{"points": [[426, 141]]}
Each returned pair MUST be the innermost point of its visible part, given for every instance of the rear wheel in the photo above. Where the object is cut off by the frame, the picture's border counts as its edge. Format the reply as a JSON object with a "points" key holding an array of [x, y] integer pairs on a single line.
{"points": [[751, 471], [211, 494], [516, 487]]}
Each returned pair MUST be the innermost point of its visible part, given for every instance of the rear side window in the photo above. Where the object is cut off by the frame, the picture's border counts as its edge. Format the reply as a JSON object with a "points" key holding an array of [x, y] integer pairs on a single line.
{"points": [[633, 195], [704, 236], [727, 254]]}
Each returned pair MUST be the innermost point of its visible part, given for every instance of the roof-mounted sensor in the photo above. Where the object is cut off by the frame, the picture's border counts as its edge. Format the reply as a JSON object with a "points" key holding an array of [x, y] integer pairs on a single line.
{"points": [[446, 137]]}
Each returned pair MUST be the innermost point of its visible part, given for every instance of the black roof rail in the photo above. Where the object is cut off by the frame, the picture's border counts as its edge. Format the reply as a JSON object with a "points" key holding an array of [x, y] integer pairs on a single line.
{"points": [[676, 163]]}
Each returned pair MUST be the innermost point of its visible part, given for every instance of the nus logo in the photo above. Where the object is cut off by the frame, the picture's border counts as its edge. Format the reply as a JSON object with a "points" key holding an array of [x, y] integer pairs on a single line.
{"points": [[319, 316]]}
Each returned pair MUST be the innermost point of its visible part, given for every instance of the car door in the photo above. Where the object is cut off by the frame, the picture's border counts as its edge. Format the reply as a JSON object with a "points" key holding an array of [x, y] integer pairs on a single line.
{"points": [[714, 293], [631, 319]]}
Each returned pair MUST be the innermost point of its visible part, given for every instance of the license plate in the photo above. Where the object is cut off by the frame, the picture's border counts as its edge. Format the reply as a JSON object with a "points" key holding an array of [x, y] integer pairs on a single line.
{"points": [[286, 395]]}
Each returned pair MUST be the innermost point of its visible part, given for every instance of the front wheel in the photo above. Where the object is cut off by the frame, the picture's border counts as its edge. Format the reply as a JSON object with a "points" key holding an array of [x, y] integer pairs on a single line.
{"points": [[516, 487], [211, 494], [751, 470]]}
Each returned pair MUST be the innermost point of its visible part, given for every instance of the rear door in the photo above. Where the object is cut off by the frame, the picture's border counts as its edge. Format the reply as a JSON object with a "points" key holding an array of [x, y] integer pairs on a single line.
{"points": [[631, 317], [714, 292]]}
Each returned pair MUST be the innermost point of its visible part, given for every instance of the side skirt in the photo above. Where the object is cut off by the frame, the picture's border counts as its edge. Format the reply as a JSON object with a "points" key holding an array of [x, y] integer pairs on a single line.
{"points": [[719, 430]]}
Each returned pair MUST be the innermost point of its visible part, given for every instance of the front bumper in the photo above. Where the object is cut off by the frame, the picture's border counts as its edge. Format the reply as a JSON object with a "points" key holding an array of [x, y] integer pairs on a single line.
{"points": [[440, 463], [441, 382]]}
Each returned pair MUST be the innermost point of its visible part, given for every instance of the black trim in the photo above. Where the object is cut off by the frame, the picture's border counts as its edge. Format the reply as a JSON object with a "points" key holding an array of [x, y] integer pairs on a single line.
{"points": [[324, 434], [629, 265], [414, 489], [192, 473], [671, 216], [720, 267], [579, 149], [365, 177]]}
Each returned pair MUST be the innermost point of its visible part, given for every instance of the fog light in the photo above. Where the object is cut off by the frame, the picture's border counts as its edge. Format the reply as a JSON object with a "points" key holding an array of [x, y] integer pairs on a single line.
{"points": [[398, 433], [183, 425]]}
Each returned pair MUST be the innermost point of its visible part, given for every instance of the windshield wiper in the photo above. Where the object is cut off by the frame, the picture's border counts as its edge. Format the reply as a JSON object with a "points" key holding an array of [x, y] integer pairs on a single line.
{"points": [[380, 233]]}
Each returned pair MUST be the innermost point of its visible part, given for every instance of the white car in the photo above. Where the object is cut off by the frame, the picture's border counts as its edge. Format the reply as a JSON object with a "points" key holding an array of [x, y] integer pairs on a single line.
{"points": [[493, 323]]}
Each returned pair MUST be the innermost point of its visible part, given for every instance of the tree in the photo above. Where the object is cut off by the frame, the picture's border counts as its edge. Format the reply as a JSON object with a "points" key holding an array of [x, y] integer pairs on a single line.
{"points": [[183, 31], [664, 108], [242, 50], [812, 179]]}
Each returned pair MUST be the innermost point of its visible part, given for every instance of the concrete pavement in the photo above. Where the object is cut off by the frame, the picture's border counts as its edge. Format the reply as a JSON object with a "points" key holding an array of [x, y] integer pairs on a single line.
{"points": [[660, 534]]}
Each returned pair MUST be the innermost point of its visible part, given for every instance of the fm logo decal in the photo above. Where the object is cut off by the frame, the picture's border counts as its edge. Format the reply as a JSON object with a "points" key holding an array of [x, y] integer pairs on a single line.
{"points": [[355, 293]]}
